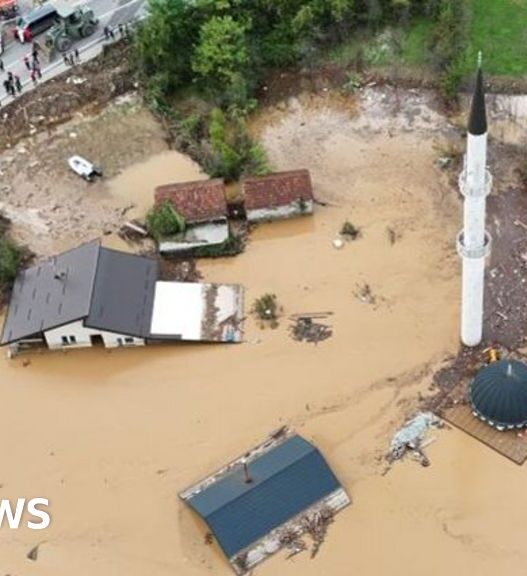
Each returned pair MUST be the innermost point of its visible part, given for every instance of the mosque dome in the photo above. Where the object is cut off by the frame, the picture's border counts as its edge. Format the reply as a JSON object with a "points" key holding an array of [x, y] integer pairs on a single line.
{"points": [[498, 394]]}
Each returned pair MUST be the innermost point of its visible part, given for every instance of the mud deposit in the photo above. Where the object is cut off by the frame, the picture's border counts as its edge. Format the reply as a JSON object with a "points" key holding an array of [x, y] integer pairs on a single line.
{"points": [[111, 437], [52, 209]]}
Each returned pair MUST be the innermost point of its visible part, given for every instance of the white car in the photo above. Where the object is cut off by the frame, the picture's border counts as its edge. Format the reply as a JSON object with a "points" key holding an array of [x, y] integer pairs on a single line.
{"points": [[84, 168]]}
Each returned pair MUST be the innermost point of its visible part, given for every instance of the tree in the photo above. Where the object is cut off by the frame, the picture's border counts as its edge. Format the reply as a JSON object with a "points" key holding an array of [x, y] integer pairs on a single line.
{"points": [[11, 257], [164, 221], [221, 58], [163, 44]]}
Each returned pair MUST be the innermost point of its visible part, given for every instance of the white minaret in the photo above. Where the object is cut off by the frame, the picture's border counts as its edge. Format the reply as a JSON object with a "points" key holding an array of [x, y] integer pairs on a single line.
{"points": [[473, 242]]}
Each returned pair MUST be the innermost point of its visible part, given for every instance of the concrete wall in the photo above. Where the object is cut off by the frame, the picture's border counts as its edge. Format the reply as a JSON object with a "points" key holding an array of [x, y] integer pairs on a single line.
{"points": [[82, 335], [195, 236], [289, 211]]}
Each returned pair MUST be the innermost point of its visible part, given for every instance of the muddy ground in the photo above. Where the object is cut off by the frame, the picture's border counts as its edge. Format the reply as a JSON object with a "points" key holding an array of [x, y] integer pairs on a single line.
{"points": [[85, 88], [51, 208]]}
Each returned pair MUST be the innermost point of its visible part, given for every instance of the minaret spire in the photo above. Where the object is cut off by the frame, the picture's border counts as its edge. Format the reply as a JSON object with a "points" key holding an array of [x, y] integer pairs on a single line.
{"points": [[477, 123], [473, 242]]}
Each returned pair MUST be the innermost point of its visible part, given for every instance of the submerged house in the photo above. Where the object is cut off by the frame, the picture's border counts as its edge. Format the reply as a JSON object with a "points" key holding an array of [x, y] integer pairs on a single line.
{"points": [[278, 195], [203, 206], [92, 294], [267, 499]]}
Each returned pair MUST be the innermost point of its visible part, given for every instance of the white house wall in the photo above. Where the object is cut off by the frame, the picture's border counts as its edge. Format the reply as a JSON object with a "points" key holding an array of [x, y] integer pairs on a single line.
{"points": [[195, 236], [288, 211], [82, 336]]}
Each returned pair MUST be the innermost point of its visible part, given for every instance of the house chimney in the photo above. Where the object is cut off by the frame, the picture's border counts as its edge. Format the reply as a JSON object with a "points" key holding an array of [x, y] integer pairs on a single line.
{"points": [[60, 275], [248, 478]]}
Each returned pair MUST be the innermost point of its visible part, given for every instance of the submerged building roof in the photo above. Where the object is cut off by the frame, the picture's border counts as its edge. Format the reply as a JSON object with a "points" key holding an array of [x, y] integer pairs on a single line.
{"points": [[498, 394], [110, 290], [199, 201], [285, 481], [278, 189]]}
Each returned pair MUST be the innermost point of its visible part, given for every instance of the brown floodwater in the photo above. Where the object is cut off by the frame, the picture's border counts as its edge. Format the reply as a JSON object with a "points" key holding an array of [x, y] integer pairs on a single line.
{"points": [[110, 437], [137, 183]]}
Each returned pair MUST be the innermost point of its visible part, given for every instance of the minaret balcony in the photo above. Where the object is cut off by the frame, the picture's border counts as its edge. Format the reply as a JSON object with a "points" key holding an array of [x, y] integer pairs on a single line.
{"points": [[477, 252], [469, 192]]}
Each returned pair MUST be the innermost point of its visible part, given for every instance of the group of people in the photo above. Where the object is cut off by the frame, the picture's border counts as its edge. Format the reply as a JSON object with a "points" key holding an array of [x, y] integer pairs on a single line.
{"points": [[124, 31], [12, 83], [71, 58]]}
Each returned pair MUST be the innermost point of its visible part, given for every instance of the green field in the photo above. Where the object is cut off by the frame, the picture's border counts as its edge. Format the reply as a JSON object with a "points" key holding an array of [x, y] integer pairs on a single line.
{"points": [[496, 27], [499, 29]]}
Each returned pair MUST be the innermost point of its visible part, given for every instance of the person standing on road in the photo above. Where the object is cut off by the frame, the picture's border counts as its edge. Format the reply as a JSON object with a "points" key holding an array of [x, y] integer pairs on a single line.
{"points": [[33, 77], [18, 84], [26, 62], [1, 65], [65, 59], [6, 87], [77, 55]]}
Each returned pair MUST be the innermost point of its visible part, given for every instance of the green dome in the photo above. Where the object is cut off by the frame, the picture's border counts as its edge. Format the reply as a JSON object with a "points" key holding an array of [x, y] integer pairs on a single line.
{"points": [[498, 394]]}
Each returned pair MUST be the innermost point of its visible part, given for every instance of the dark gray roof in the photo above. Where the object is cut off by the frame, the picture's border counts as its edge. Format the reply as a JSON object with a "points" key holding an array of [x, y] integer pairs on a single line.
{"points": [[55, 292], [123, 293], [499, 393], [477, 123], [286, 480], [112, 291]]}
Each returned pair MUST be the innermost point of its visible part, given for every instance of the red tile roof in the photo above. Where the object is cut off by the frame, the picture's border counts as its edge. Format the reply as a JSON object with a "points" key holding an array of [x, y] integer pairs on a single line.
{"points": [[199, 201], [278, 189]]}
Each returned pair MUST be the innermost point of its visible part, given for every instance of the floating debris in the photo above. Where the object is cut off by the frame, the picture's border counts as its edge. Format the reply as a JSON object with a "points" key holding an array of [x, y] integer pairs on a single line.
{"points": [[305, 329], [349, 231], [33, 553], [364, 294], [267, 310], [410, 438]]}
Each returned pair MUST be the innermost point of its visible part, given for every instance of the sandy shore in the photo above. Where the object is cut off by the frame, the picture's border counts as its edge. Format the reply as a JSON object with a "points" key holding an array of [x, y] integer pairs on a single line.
{"points": [[111, 437]]}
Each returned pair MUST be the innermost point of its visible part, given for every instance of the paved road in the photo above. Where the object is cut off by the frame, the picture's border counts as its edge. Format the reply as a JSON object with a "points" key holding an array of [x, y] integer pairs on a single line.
{"points": [[110, 13]]}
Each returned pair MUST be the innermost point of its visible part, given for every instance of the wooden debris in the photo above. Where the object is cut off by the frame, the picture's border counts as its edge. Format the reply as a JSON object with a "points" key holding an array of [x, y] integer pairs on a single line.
{"points": [[317, 526], [33, 553], [304, 329], [133, 231], [364, 294]]}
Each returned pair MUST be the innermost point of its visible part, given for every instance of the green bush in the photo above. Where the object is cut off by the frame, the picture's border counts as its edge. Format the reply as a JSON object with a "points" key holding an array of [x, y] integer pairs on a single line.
{"points": [[233, 153], [164, 221], [11, 257]]}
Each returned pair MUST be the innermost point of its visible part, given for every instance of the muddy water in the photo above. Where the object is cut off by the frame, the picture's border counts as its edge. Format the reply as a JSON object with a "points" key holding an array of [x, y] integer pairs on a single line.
{"points": [[110, 437], [137, 183]]}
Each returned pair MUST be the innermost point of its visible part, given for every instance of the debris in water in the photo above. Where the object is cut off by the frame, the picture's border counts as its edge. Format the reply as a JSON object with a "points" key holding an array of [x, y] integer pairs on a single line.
{"points": [[409, 438], [267, 310], [316, 526], [33, 553], [305, 329], [349, 231], [364, 294]]}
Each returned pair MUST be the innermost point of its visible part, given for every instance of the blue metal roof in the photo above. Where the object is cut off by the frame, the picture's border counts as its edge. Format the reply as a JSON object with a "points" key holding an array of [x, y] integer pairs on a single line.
{"points": [[285, 481]]}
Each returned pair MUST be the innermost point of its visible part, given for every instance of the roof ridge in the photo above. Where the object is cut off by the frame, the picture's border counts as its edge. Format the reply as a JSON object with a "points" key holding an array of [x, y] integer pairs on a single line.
{"points": [[94, 279]]}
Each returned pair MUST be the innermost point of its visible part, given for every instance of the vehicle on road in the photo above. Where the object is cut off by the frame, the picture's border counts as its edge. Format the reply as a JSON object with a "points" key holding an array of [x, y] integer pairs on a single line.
{"points": [[35, 22], [84, 168], [71, 23]]}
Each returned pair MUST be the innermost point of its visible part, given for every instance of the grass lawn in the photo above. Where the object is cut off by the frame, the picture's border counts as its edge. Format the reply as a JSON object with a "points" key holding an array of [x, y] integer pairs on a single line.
{"points": [[390, 46], [499, 29], [496, 27]]}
